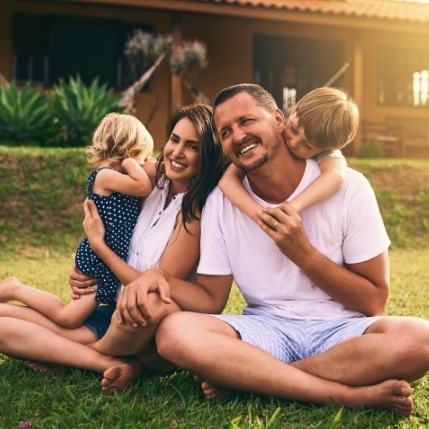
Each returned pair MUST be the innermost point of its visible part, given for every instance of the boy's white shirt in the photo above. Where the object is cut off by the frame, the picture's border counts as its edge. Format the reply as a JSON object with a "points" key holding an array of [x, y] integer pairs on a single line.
{"points": [[332, 154]]}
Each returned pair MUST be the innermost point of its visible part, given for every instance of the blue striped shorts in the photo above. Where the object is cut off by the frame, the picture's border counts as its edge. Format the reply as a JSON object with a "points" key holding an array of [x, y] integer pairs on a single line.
{"points": [[293, 339]]}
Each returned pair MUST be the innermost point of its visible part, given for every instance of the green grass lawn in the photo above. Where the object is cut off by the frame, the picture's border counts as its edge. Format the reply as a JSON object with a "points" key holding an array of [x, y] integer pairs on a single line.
{"points": [[74, 399], [40, 214]]}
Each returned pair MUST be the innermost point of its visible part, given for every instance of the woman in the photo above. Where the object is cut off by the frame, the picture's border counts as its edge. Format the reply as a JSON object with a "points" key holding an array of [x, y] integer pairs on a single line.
{"points": [[166, 235]]}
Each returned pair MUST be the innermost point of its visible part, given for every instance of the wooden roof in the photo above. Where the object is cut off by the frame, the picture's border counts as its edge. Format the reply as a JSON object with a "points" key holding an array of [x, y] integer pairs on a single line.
{"points": [[400, 10], [411, 16]]}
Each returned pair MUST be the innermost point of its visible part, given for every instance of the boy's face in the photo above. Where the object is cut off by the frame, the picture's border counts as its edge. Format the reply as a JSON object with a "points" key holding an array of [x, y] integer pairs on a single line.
{"points": [[297, 142]]}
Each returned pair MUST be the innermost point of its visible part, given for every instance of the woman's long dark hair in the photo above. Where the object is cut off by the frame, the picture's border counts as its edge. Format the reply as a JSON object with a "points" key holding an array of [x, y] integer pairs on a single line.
{"points": [[211, 165]]}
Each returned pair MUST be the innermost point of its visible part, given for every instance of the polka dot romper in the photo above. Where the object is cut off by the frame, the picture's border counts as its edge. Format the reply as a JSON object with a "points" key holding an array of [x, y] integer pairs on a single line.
{"points": [[119, 214]]}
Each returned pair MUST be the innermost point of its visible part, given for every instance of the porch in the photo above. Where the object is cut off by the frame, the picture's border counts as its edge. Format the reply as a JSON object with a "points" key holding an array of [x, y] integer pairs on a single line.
{"points": [[399, 136]]}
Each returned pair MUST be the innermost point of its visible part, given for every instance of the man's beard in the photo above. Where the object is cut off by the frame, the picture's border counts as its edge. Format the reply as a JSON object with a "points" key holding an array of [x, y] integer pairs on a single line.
{"points": [[265, 159], [259, 163]]}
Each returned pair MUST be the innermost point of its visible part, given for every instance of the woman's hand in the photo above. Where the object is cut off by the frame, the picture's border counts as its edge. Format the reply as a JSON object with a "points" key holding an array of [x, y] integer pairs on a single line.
{"points": [[81, 284], [133, 306], [93, 225]]}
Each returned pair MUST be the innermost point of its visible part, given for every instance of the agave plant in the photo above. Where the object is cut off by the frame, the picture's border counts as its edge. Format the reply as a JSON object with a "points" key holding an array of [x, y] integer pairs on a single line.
{"points": [[80, 108], [26, 116]]}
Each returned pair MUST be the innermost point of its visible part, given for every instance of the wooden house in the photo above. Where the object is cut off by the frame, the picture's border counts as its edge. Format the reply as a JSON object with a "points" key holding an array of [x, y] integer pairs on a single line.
{"points": [[377, 49]]}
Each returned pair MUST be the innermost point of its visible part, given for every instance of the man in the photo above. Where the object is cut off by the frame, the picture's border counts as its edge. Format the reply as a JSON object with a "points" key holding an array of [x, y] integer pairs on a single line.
{"points": [[314, 285]]}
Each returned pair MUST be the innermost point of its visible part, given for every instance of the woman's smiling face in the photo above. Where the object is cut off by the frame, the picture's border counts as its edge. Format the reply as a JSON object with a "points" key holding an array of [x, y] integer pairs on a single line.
{"points": [[182, 155]]}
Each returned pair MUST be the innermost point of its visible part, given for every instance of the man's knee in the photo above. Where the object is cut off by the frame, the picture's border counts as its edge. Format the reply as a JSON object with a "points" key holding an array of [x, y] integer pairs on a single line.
{"points": [[410, 336]]}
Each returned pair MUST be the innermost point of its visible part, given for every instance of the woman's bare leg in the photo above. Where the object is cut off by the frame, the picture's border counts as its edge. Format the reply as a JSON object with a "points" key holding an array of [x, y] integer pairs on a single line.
{"points": [[126, 340], [26, 340], [83, 334], [27, 334]]}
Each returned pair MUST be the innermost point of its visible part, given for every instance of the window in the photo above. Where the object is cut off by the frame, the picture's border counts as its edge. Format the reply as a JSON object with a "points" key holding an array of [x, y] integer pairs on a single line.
{"points": [[421, 88], [49, 47], [289, 67], [403, 77]]}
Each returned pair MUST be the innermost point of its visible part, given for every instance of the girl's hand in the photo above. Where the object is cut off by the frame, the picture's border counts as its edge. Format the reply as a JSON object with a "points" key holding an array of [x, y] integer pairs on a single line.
{"points": [[81, 284], [93, 225], [128, 164]]}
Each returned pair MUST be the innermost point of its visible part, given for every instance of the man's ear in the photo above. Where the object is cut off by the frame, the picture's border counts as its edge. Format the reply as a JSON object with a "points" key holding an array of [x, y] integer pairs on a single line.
{"points": [[279, 117]]}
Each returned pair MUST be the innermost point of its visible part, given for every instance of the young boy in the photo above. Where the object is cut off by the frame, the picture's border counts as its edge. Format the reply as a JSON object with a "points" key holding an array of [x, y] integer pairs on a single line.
{"points": [[323, 122]]}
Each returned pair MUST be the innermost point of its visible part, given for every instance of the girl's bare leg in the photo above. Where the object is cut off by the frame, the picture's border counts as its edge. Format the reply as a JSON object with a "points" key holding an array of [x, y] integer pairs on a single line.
{"points": [[83, 334], [69, 316]]}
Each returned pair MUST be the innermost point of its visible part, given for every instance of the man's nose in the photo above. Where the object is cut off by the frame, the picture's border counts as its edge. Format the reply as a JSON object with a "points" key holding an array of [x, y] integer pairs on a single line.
{"points": [[238, 135]]}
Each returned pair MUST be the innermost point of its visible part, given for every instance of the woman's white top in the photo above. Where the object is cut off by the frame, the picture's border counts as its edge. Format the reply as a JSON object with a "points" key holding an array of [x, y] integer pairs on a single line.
{"points": [[153, 229]]}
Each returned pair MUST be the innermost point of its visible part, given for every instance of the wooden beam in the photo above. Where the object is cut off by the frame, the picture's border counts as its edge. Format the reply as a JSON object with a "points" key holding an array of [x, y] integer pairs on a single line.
{"points": [[176, 95]]}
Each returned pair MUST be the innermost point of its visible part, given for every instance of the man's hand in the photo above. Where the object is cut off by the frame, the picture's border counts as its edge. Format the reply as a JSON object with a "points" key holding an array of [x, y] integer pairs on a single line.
{"points": [[81, 284], [284, 225], [133, 306]]}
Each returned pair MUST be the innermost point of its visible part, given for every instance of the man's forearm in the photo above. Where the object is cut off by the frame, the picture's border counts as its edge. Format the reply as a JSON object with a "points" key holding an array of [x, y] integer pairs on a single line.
{"points": [[361, 287], [201, 296]]}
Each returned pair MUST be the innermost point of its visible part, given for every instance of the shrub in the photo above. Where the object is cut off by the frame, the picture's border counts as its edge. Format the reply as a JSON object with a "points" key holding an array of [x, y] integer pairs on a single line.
{"points": [[79, 109], [26, 116], [370, 149]]}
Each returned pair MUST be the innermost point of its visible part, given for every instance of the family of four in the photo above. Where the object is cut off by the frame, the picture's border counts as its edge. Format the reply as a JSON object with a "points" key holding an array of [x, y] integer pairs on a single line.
{"points": [[298, 231]]}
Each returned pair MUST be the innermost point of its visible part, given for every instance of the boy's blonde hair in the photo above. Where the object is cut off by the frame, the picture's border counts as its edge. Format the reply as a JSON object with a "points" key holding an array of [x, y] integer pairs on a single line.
{"points": [[119, 136], [329, 117]]}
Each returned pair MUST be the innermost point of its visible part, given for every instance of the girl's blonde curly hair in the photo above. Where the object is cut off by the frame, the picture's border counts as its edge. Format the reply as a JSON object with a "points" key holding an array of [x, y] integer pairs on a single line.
{"points": [[119, 136]]}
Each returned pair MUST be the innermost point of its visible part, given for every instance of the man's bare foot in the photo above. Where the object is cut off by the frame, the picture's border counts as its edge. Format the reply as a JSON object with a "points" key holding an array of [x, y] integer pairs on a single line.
{"points": [[210, 391], [394, 395], [8, 288], [118, 378], [45, 367]]}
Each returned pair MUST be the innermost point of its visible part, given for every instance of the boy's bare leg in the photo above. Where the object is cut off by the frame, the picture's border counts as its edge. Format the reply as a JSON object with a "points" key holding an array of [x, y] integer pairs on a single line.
{"points": [[391, 348], [210, 348]]}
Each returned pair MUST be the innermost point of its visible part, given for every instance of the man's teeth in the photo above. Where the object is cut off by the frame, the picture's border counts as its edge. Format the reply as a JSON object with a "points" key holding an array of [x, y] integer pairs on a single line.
{"points": [[177, 164], [247, 148]]}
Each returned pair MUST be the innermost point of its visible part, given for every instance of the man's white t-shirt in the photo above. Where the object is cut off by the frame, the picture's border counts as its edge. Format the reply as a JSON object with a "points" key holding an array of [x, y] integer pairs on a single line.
{"points": [[346, 227]]}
